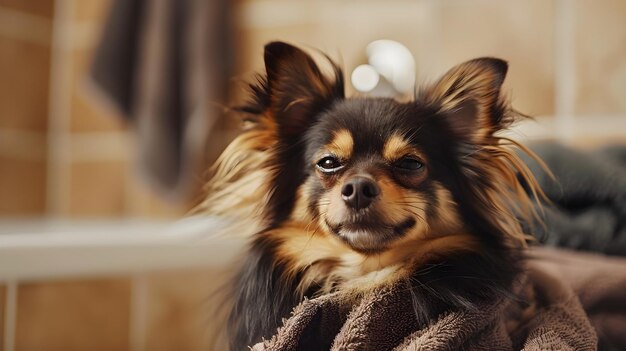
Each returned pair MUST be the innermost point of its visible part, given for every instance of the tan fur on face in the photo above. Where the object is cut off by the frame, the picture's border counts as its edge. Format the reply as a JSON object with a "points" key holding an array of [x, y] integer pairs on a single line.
{"points": [[321, 258], [399, 203], [341, 145], [331, 206], [397, 146]]}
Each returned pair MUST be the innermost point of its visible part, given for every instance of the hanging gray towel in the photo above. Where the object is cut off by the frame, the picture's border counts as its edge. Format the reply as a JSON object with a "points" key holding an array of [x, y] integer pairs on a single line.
{"points": [[164, 64]]}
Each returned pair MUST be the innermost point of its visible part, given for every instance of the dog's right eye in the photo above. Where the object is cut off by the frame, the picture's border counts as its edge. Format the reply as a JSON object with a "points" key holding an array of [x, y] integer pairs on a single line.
{"points": [[329, 164]]}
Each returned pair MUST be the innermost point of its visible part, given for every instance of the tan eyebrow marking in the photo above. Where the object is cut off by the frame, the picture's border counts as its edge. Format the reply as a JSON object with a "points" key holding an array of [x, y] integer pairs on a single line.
{"points": [[397, 146], [342, 144]]}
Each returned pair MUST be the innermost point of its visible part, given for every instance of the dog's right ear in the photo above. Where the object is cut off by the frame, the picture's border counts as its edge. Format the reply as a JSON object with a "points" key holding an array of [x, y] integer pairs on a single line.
{"points": [[469, 96], [297, 89]]}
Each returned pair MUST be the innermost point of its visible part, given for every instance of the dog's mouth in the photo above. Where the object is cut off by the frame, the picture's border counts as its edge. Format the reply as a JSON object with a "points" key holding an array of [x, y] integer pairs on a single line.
{"points": [[370, 237]]}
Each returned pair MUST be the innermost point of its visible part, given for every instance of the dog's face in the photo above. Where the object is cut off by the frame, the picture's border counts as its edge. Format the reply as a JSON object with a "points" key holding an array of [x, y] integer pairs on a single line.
{"points": [[350, 194], [373, 172]]}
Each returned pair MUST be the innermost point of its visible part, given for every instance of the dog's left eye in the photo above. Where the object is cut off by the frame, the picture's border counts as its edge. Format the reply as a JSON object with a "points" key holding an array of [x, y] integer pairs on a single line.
{"points": [[409, 164], [329, 164]]}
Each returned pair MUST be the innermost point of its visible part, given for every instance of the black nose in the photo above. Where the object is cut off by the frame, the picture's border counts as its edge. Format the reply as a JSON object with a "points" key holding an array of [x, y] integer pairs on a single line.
{"points": [[359, 192]]}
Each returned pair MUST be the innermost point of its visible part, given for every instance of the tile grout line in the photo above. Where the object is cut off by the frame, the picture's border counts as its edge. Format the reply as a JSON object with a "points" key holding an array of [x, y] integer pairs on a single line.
{"points": [[28, 27], [429, 53], [22, 144], [138, 309], [36, 29], [85, 146], [565, 68], [134, 202], [10, 315], [58, 111]]}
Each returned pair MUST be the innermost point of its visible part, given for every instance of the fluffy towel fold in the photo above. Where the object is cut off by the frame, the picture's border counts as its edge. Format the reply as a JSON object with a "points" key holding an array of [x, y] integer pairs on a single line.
{"points": [[384, 320], [600, 283]]}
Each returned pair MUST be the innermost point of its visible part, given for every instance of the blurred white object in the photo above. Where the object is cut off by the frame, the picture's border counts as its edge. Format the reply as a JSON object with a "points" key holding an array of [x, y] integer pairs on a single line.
{"points": [[390, 72], [365, 78]]}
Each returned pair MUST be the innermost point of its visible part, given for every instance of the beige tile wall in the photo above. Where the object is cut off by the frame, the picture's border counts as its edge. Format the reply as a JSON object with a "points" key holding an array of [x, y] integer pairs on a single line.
{"points": [[600, 57], [73, 315], [439, 33], [444, 33], [81, 164], [43, 8], [22, 186], [98, 187], [91, 11], [182, 310], [24, 68], [2, 308], [517, 31], [165, 311]]}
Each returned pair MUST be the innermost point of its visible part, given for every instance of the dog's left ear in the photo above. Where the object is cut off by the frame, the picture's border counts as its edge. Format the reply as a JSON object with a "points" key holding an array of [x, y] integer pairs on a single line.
{"points": [[298, 90], [469, 98]]}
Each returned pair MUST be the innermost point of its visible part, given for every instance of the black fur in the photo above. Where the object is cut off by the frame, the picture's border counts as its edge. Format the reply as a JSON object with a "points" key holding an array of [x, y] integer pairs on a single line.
{"points": [[263, 293], [263, 296], [462, 282]]}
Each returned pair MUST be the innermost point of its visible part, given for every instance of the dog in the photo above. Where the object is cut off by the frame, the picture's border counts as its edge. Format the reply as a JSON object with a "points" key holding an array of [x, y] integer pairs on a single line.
{"points": [[347, 194]]}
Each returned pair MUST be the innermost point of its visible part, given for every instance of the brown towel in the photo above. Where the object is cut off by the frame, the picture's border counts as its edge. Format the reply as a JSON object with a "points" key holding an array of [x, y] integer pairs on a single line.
{"points": [[600, 283], [162, 63], [383, 320]]}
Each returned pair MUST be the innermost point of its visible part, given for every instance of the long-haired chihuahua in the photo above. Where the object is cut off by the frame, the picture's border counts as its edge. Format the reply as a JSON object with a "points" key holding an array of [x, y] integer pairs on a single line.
{"points": [[346, 194]]}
